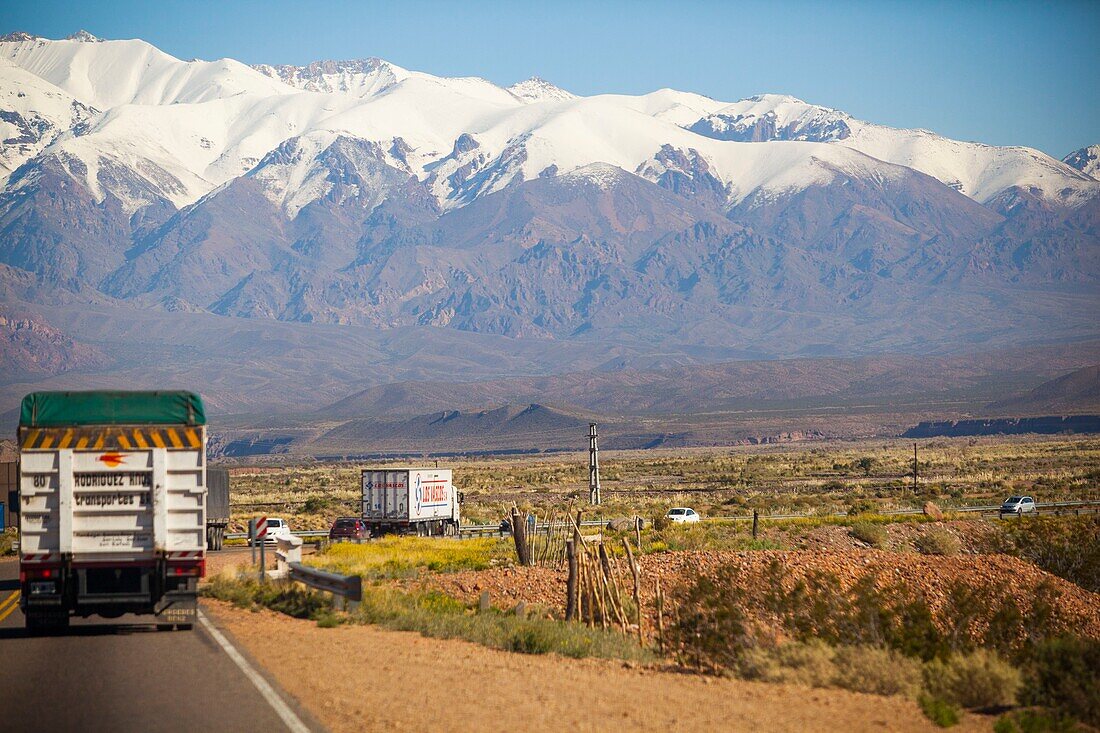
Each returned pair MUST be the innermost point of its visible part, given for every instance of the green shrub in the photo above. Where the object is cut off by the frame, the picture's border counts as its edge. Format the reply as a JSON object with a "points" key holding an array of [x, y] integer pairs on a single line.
{"points": [[937, 541], [660, 522], [876, 670], [1035, 721], [282, 596], [940, 712], [328, 620], [1064, 674], [871, 534], [316, 505], [861, 506], [980, 679]]}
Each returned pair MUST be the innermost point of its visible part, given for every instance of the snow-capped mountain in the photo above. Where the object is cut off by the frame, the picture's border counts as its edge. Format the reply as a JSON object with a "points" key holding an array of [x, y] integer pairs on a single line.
{"points": [[360, 192], [1086, 160], [539, 90], [982, 172]]}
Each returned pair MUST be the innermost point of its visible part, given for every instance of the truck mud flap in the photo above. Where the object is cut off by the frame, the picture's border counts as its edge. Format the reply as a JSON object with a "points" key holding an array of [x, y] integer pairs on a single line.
{"points": [[177, 608]]}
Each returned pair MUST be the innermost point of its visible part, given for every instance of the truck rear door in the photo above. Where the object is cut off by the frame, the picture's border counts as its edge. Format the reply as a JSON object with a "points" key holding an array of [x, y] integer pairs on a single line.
{"points": [[124, 505]]}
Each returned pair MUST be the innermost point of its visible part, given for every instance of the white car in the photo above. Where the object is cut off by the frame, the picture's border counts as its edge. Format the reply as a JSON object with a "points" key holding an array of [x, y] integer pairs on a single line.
{"points": [[682, 515], [1018, 505], [276, 528]]}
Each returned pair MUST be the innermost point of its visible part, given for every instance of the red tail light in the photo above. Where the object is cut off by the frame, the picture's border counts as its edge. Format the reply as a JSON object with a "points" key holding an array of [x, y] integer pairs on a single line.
{"points": [[188, 570], [30, 572]]}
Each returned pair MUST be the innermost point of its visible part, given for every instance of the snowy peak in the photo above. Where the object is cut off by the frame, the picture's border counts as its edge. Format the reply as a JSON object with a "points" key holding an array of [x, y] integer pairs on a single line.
{"points": [[84, 37], [536, 89], [982, 172], [774, 117], [33, 113], [361, 77], [1086, 160], [105, 74], [18, 37], [325, 165]]}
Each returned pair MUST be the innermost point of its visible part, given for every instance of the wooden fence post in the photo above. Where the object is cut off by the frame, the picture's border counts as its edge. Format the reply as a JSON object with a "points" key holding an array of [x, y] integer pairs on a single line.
{"points": [[519, 536], [571, 583], [755, 522], [660, 599], [637, 595]]}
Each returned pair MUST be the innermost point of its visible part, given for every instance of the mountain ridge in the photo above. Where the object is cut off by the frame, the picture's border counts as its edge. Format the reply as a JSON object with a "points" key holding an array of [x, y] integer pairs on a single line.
{"points": [[667, 225]]}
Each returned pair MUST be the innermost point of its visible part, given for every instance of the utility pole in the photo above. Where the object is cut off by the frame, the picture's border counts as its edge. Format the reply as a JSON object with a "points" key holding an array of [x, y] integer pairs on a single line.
{"points": [[914, 468], [593, 466]]}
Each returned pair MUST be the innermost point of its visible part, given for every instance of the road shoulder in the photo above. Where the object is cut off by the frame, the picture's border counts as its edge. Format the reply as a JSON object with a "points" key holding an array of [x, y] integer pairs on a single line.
{"points": [[356, 678]]}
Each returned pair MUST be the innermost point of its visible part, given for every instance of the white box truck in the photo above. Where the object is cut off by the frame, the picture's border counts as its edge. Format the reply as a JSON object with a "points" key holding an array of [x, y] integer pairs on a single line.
{"points": [[421, 501], [112, 514]]}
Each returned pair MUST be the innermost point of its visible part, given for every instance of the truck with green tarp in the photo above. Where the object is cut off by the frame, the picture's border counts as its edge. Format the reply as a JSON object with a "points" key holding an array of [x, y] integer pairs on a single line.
{"points": [[112, 506]]}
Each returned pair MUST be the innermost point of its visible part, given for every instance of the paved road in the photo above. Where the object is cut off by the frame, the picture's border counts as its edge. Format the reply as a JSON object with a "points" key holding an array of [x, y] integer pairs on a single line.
{"points": [[123, 675]]}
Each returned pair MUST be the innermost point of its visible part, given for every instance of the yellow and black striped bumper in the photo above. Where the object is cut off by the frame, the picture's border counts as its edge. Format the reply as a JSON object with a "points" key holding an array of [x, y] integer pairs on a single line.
{"points": [[111, 438]]}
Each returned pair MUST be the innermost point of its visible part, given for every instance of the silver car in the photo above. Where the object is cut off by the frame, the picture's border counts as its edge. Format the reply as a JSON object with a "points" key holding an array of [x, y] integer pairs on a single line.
{"points": [[1018, 505]]}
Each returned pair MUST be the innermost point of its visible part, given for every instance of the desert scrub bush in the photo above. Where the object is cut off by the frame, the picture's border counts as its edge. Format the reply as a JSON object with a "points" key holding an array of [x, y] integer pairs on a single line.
{"points": [[711, 630], [809, 664], [282, 596], [316, 505], [937, 541], [816, 664], [391, 557], [940, 712], [437, 615], [1068, 547], [713, 627], [1064, 674], [871, 534], [1035, 721], [876, 670], [7, 542], [979, 679], [433, 614]]}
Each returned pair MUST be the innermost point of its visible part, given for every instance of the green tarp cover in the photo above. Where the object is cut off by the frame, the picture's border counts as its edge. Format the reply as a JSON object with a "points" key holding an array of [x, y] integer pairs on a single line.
{"points": [[55, 409]]}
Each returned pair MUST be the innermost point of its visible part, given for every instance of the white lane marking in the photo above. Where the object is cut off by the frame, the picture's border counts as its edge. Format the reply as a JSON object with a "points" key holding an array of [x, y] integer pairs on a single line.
{"points": [[293, 722]]}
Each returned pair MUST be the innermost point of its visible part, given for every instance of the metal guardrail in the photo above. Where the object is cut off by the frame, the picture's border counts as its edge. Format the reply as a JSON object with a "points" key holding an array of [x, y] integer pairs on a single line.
{"points": [[303, 533], [349, 587]]}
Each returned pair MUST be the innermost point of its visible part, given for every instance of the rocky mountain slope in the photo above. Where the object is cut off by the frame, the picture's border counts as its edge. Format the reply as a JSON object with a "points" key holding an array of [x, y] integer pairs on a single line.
{"points": [[225, 198], [1086, 160]]}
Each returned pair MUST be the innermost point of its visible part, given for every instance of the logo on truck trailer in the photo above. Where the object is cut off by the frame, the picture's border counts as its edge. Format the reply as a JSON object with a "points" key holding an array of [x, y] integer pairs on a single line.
{"points": [[114, 460], [431, 493]]}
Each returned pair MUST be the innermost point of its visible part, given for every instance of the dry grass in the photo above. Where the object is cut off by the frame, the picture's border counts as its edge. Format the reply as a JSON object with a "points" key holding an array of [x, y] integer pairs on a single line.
{"points": [[790, 479], [392, 557]]}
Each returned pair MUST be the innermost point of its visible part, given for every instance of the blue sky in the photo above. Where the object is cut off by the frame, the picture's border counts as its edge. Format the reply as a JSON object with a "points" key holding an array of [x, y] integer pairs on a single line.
{"points": [[1006, 73]]}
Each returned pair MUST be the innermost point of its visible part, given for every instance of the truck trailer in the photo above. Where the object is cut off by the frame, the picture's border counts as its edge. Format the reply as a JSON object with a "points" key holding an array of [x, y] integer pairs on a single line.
{"points": [[217, 507], [420, 501], [112, 506]]}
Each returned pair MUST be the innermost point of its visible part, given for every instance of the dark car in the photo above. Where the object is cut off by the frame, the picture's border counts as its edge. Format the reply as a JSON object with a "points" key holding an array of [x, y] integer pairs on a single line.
{"points": [[349, 528]]}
